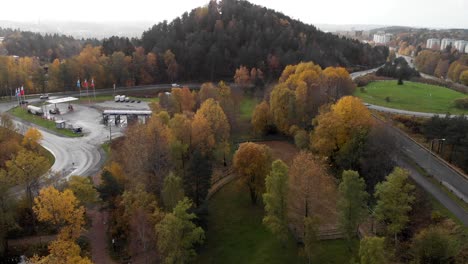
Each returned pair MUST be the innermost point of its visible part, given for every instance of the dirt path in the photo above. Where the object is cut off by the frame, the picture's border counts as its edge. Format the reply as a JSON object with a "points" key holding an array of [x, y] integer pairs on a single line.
{"points": [[98, 238]]}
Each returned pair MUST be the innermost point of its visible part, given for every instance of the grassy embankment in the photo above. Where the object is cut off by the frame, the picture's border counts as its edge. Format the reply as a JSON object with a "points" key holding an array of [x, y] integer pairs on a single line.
{"points": [[22, 113], [411, 96]]}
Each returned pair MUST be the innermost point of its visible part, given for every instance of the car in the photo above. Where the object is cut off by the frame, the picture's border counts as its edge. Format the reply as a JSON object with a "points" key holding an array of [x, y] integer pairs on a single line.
{"points": [[44, 96], [127, 99], [138, 101], [175, 85], [54, 111], [132, 101], [22, 102], [77, 130]]}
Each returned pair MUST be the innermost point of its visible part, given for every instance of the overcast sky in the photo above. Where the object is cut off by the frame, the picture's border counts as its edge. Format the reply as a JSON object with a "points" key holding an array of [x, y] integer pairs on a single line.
{"points": [[421, 13]]}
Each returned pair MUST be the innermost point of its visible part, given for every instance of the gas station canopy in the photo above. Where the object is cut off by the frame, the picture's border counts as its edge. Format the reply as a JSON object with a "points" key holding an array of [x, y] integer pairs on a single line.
{"points": [[62, 100]]}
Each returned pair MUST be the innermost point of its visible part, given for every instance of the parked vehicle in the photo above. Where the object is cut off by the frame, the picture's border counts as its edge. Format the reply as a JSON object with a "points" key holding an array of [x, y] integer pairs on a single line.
{"points": [[44, 96], [175, 85], [35, 110], [122, 98], [127, 99], [117, 98]]}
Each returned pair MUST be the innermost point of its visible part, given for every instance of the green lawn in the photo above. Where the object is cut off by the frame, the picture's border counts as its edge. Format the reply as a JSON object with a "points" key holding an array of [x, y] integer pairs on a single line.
{"points": [[412, 96], [236, 234], [48, 124], [247, 106]]}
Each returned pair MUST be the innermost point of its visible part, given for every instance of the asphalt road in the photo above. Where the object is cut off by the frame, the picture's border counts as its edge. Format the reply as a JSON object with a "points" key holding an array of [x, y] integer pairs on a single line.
{"points": [[404, 112]]}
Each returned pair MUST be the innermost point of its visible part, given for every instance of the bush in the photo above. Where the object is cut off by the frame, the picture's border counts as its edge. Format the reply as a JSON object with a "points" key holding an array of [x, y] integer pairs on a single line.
{"points": [[301, 139], [461, 103], [387, 99]]}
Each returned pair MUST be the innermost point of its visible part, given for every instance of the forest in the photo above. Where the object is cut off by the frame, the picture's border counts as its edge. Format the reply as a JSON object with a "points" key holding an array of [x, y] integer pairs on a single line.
{"points": [[209, 43]]}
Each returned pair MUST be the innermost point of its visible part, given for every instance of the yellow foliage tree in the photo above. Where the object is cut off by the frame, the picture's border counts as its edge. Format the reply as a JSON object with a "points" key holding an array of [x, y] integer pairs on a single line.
{"points": [[337, 126], [261, 118], [252, 162], [31, 138]]}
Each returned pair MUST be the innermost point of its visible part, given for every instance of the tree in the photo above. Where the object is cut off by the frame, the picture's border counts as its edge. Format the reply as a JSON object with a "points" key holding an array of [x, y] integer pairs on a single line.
{"points": [[372, 250], [312, 192], [435, 245], [442, 68], [27, 168], [83, 189], [62, 210], [197, 181], [252, 162], [301, 139], [7, 220], [464, 77], [338, 83], [31, 138], [334, 128], [62, 252], [394, 199], [261, 118], [182, 100], [352, 205], [172, 68], [217, 119], [275, 200], [242, 78], [172, 191], [177, 234], [142, 211], [311, 229]]}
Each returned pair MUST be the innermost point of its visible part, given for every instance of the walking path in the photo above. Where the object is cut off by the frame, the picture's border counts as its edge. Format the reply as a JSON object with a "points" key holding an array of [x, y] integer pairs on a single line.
{"points": [[97, 236]]}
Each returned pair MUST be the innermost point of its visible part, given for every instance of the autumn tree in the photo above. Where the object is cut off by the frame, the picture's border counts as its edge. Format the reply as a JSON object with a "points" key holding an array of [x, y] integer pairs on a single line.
{"points": [[177, 234], [394, 200], [61, 209], [242, 78], [275, 200], [182, 100], [435, 245], [464, 77], [352, 203], [180, 143], [172, 68], [31, 138], [442, 68], [142, 210], [172, 191], [337, 83], [261, 118], [83, 189], [372, 251], [336, 127], [252, 162], [7, 220], [312, 192], [301, 139], [27, 168]]}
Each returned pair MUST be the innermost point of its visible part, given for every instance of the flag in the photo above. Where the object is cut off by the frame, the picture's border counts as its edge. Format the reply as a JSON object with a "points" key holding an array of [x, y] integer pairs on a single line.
{"points": [[16, 92], [78, 84], [22, 90], [85, 84], [92, 83]]}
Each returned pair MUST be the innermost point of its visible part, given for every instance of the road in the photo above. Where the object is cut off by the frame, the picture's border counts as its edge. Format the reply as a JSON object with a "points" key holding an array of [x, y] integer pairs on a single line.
{"points": [[404, 112]]}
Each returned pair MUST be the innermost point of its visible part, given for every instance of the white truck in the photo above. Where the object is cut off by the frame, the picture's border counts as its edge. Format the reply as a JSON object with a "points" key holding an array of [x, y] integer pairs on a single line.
{"points": [[122, 98], [117, 98], [35, 110]]}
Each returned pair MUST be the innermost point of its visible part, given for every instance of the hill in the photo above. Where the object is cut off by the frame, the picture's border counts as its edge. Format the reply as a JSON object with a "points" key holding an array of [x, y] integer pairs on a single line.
{"points": [[212, 41]]}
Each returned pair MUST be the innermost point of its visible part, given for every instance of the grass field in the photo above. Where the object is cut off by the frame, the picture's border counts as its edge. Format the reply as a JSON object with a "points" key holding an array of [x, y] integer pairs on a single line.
{"points": [[48, 124], [412, 96], [247, 106], [236, 235]]}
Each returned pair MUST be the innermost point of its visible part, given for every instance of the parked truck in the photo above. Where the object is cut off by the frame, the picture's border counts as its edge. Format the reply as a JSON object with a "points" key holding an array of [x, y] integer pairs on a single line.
{"points": [[35, 110]]}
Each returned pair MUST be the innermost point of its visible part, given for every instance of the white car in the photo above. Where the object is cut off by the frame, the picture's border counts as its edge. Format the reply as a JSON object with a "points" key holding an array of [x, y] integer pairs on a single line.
{"points": [[175, 85], [44, 96]]}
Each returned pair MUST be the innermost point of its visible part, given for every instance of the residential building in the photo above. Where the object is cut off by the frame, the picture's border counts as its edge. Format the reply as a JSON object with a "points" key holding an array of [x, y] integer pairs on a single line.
{"points": [[445, 42], [382, 38], [433, 43], [460, 45], [466, 49]]}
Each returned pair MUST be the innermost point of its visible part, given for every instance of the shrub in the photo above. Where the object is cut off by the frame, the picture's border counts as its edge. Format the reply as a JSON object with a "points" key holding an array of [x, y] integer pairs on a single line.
{"points": [[461, 103], [387, 99]]}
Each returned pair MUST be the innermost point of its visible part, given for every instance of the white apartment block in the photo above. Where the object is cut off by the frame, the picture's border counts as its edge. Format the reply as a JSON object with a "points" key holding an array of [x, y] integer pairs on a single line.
{"points": [[445, 42], [382, 38], [466, 49], [433, 43], [460, 45]]}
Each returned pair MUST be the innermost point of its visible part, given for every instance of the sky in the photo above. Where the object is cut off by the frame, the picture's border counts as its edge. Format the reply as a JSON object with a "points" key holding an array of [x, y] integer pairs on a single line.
{"points": [[418, 13]]}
